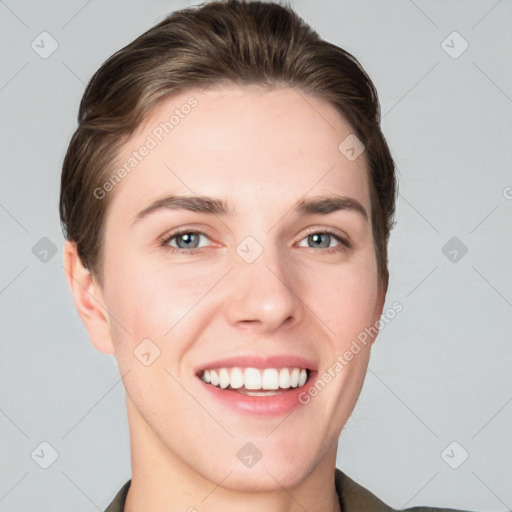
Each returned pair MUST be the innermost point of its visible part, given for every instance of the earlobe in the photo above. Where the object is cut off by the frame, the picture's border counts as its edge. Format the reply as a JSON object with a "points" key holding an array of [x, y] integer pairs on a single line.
{"points": [[88, 299]]}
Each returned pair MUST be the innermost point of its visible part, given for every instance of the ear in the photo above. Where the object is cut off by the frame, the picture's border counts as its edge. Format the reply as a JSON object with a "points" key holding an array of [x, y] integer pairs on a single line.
{"points": [[88, 298], [379, 304]]}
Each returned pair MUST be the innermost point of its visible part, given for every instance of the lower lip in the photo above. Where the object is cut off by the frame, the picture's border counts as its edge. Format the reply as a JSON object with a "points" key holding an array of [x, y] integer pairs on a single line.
{"points": [[271, 405]]}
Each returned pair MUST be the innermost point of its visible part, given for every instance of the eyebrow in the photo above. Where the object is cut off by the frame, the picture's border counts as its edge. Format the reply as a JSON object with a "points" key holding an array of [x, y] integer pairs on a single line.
{"points": [[322, 205]]}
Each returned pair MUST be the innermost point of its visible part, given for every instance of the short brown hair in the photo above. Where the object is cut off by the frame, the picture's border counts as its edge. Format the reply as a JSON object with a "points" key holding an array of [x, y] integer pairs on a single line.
{"points": [[234, 42]]}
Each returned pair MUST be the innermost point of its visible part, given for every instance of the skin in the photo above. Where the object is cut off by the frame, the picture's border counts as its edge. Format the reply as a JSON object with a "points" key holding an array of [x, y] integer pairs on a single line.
{"points": [[261, 150]]}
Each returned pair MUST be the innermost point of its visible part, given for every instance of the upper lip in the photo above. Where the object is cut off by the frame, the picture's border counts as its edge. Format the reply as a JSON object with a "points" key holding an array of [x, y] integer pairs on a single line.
{"points": [[254, 361]]}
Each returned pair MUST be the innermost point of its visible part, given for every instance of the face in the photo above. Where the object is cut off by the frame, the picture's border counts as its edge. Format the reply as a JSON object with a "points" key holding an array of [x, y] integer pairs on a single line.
{"points": [[272, 267]]}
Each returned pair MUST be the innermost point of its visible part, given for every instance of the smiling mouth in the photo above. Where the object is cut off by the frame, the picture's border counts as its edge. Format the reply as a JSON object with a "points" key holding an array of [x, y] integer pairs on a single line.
{"points": [[255, 381]]}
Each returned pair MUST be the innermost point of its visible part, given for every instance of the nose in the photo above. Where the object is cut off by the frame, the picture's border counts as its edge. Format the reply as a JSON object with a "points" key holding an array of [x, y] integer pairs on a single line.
{"points": [[263, 295]]}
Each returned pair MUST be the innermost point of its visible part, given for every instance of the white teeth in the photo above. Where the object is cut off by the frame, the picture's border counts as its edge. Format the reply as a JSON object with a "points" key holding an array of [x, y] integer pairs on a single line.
{"points": [[237, 378], [294, 378], [252, 378], [224, 378], [270, 379], [262, 393], [214, 378], [284, 378], [255, 379]]}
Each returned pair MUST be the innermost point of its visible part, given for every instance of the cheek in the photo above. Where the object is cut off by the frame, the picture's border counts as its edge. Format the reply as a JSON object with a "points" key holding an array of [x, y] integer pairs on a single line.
{"points": [[344, 300], [153, 301]]}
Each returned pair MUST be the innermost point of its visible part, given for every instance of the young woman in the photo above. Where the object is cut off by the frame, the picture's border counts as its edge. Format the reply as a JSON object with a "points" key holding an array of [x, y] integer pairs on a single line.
{"points": [[227, 200]]}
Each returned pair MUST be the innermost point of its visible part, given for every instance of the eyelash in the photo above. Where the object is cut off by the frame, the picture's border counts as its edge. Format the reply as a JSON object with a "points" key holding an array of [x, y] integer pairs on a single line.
{"points": [[343, 243]]}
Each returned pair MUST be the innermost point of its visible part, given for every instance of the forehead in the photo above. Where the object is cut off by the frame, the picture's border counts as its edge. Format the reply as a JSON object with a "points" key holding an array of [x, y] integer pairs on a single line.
{"points": [[256, 146]]}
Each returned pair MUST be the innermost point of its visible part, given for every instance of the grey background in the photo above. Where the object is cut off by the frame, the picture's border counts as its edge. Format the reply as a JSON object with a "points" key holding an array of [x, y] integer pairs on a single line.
{"points": [[439, 372]]}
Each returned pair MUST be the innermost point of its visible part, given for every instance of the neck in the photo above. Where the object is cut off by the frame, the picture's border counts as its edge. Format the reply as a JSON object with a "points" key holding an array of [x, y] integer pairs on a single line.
{"points": [[163, 481]]}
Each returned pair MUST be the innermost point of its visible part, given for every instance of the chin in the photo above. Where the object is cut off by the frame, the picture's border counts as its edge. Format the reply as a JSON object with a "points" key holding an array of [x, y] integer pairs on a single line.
{"points": [[263, 479], [267, 474]]}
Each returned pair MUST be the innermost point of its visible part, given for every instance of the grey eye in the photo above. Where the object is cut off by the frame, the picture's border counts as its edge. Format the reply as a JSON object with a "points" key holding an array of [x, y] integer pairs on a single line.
{"points": [[320, 240], [189, 240], [316, 239]]}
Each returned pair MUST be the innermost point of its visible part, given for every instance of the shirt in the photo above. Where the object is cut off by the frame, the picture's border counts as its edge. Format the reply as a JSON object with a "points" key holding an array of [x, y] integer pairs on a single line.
{"points": [[353, 498]]}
